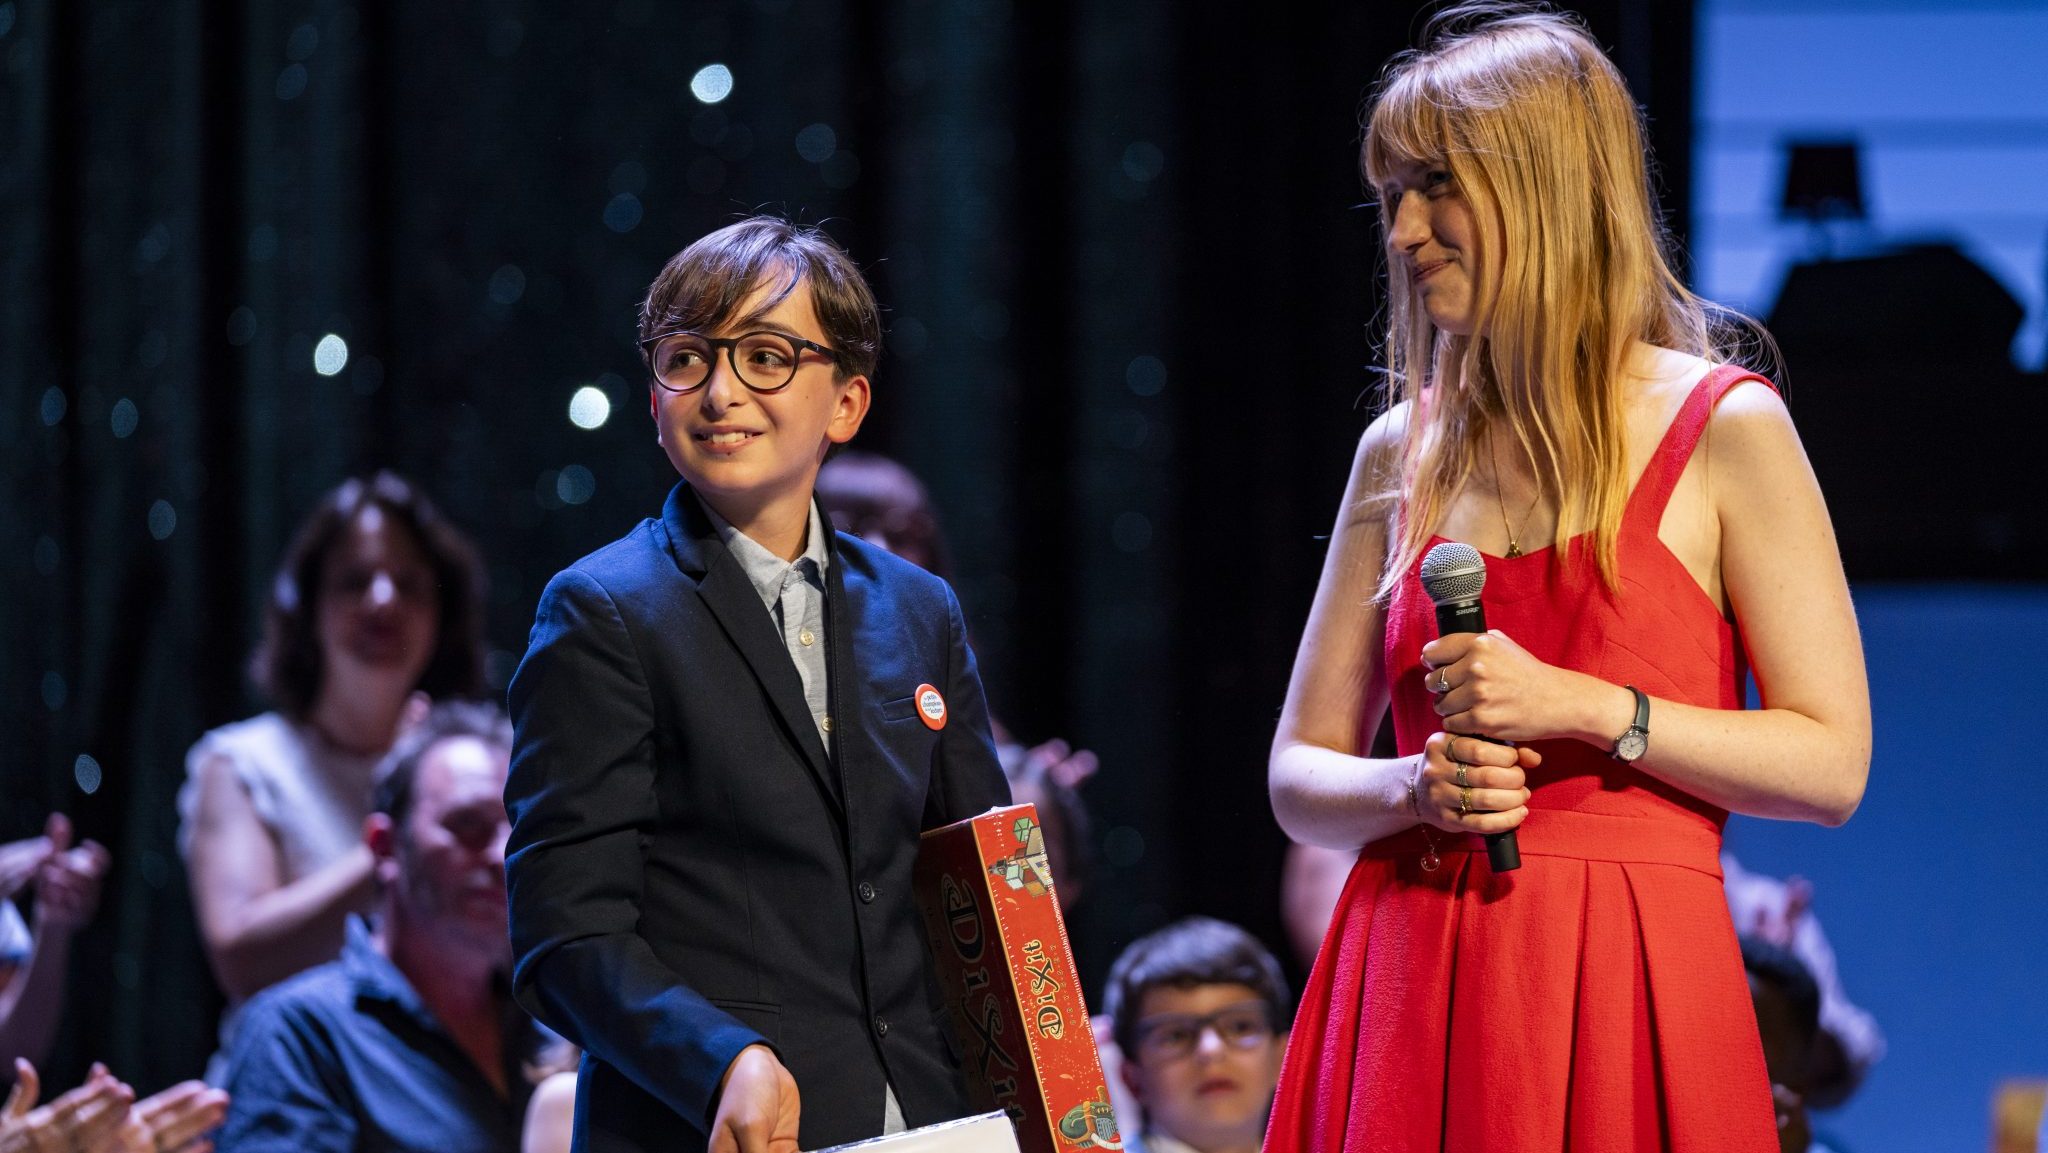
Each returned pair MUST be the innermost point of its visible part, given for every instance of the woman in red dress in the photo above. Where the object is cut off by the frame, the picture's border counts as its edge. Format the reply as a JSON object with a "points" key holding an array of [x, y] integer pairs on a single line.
{"points": [[1550, 380]]}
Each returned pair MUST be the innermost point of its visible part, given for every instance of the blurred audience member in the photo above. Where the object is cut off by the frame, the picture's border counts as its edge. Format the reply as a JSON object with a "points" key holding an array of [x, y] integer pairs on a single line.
{"points": [[550, 1116], [1787, 1017], [409, 1041], [377, 605], [882, 502], [1311, 880], [1198, 1013], [102, 1116], [1848, 1042], [65, 881], [1048, 776]]}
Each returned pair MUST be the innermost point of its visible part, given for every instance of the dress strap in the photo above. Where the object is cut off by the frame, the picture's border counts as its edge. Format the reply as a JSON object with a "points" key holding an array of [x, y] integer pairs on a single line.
{"points": [[1667, 464]]}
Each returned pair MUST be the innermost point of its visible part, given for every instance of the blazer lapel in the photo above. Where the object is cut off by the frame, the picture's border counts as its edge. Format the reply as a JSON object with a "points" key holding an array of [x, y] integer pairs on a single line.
{"points": [[736, 604]]}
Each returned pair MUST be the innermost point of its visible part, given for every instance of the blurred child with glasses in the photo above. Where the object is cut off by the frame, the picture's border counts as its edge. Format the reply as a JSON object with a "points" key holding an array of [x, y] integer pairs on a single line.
{"points": [[1198, 1014]]}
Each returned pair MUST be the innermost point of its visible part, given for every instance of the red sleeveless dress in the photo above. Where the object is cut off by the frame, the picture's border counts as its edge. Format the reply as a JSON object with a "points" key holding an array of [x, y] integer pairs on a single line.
{"points": [[1594, 999]]}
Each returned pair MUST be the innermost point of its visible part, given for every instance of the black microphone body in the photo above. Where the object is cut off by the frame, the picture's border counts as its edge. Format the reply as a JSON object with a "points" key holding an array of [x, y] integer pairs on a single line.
{"points": [[1466, 614]]}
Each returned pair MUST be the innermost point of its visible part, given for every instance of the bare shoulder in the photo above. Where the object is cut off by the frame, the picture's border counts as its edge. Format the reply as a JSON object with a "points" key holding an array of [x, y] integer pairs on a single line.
{"points": [[1752, 425], [1381, 444]]}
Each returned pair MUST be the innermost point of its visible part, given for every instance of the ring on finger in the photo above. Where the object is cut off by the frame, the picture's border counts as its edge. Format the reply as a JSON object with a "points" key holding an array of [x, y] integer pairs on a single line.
{"points": [[1459, 776], [1443, 679], [1464, 800]]}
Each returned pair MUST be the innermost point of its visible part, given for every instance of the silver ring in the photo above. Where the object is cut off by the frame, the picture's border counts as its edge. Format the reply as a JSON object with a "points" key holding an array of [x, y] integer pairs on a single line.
{"points": [[1460, 777], [1443, 680]]}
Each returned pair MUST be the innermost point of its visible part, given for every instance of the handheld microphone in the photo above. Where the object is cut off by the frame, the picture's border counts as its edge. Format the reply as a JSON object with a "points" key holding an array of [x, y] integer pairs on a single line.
{"points": [[1453, 574]]}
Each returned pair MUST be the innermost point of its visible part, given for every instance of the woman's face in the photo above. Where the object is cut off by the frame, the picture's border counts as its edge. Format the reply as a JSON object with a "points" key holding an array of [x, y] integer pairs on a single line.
{"points": [[379, 613], [1431, 234]]}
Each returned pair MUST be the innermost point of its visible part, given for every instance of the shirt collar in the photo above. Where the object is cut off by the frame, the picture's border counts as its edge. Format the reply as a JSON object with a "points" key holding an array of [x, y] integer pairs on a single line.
{"points": [[372, 972], [766, 571]]}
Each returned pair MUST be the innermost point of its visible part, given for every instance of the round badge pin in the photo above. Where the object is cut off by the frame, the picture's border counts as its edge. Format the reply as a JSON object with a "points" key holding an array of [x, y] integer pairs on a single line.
{"points": [[931, 708]]}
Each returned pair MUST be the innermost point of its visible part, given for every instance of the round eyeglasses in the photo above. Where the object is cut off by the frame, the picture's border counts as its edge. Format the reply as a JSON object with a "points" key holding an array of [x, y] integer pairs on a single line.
{"points": [[763, 361]]}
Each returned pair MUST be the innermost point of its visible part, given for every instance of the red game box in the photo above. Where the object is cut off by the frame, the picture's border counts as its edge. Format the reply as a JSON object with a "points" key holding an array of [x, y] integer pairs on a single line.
{"points": [[986, 891]]}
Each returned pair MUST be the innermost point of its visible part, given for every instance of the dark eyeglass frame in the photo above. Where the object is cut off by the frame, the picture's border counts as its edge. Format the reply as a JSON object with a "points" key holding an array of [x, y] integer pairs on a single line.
{"points": [[1149, 1027], [731, 345]]}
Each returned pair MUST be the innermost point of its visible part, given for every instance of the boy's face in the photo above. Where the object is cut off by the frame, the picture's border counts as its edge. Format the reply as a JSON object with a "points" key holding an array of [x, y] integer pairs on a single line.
{"points": [[746, 450], [1207, 1061]]}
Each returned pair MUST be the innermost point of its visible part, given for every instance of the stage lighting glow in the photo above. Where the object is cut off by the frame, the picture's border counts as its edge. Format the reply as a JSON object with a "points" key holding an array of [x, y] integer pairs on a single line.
{"points": [[712, 83], [590, 407], [330, 356], [86, 772], [124, 418]]}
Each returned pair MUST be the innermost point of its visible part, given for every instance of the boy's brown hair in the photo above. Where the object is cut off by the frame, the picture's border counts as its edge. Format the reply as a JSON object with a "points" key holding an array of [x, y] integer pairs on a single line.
{"points": [[702, 287]]}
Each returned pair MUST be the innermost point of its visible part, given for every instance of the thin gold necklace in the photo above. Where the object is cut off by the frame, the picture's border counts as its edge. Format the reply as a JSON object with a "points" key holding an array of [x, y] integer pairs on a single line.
{"points": [[1500, 498]]}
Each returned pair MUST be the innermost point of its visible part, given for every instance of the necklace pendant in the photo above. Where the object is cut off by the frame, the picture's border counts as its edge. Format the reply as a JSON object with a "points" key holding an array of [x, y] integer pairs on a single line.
{"points": [[1430, 861], [1514, 550]]}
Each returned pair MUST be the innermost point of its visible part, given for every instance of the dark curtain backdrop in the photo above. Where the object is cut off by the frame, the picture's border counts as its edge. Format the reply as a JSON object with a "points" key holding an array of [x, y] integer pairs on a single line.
{"points": [[1131, 289]]}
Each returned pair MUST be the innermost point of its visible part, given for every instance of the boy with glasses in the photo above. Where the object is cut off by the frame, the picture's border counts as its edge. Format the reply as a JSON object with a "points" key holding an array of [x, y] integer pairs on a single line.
{"points": [[733, 724], [1199, 1013]]}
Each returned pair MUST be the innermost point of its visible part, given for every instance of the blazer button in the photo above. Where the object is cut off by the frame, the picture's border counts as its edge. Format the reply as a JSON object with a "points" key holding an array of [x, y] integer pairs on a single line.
{"points": [[867, 893], [881, 1026]]}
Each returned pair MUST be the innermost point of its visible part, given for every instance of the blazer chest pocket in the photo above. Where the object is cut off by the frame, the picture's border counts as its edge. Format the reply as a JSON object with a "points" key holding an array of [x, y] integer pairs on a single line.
{"points": [[759, 1016], [902, 709]]}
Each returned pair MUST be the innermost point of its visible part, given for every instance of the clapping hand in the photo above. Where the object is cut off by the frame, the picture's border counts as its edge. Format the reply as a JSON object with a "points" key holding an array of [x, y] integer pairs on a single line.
{"points": [[68, 879], [86, 1120]]}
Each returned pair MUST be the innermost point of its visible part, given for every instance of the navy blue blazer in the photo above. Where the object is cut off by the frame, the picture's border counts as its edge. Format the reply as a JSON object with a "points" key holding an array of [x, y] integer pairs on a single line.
{"points": [[691, 873]]}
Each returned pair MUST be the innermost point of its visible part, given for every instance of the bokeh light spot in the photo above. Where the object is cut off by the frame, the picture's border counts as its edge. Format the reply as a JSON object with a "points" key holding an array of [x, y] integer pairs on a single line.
{"points": [[575, 485], [291, 83], [55, 691], [86, 772], [330, 356], [712, 83], [1124, 846], [55, 405], [163, 520], [1143, 161], [304, 40], [817, 142], [6, 19], [623, 213], [590, 407], [508, 284], [124, 418], [1146, 375]]}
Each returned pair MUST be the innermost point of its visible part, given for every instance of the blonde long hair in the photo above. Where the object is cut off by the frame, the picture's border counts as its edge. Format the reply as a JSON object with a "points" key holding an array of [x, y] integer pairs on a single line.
{"points": [[1541, 137]]}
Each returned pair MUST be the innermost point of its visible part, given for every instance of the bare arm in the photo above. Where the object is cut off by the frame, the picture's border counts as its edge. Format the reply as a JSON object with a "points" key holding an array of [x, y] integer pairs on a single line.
{"points": [[1324, 793], [67, 891], [1805, 755], [258, 929]]}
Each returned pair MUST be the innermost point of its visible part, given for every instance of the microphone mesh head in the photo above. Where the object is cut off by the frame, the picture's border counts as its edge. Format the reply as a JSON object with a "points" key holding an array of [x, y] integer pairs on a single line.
{"points": [[1453, 571]]}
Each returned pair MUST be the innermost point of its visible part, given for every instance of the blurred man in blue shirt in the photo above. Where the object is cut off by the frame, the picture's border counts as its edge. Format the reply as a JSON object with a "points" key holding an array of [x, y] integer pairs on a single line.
{"points": [[410, 1040]]}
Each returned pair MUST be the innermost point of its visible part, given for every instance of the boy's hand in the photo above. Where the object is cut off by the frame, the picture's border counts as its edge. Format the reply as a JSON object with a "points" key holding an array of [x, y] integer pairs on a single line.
{"points": [[757, 1106]]}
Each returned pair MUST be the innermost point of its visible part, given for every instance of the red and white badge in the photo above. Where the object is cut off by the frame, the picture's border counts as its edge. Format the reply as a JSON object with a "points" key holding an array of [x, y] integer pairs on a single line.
{"points": [[931, 708]]}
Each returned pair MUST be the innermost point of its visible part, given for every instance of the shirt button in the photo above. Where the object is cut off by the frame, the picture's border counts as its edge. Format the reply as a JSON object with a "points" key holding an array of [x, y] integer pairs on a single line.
{"points": [[867, 893], [807, 636], [881, 1026], [828, 724]]}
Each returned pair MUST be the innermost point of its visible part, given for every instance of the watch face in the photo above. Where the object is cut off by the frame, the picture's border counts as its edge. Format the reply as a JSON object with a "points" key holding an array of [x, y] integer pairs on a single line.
{"points": [[1633, 743]]}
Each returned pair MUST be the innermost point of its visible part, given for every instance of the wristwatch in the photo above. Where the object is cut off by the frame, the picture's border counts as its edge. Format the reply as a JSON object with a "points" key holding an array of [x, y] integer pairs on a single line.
{"points": [[1634, 741]]}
